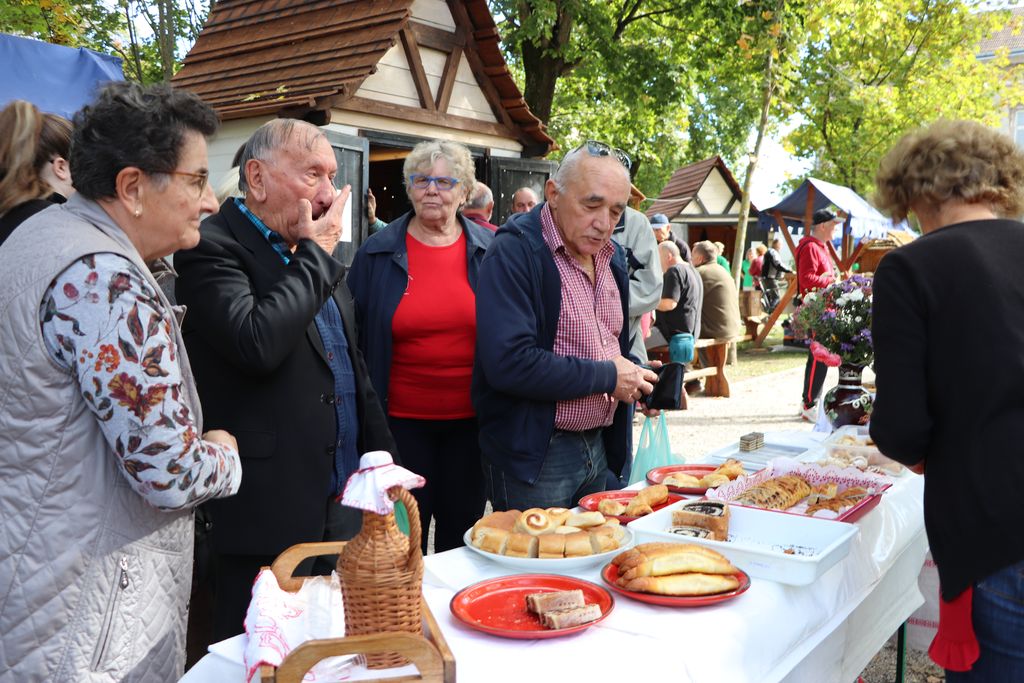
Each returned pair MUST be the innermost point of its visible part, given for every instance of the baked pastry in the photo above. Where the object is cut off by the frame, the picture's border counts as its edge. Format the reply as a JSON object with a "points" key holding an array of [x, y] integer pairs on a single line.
{"points": [[682, 480], [642, 549], [713, 479], [730, 468], [578, 544], [521, 545], [505, 521], [822, 492], [539, 603], [644, 501], [691, 532], [585, 519], [558, 515], [562, 530], [682, 584], [712, 515], [551, 546], [780, 493], [534, 521], [574, 616], [841, 501], [684, 558], [607, 506]]}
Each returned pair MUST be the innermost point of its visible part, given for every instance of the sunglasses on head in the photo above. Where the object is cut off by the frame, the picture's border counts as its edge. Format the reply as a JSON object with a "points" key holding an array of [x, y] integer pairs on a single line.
{"points": [[602, 149]]}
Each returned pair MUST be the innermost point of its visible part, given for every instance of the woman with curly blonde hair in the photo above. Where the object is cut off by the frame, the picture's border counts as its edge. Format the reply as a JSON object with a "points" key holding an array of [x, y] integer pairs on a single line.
{"points": [[34, 168], [956, 293]]}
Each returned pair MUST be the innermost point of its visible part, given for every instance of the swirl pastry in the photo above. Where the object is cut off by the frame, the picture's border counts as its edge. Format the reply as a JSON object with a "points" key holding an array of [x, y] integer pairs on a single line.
{"points": [[535, 522]]}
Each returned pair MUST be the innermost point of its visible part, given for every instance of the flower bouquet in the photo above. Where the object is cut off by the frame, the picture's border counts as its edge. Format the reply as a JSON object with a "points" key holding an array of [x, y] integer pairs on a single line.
{"points": [[836, 322]]}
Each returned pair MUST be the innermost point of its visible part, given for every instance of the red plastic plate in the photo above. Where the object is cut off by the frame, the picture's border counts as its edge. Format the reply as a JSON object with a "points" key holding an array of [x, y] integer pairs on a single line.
{"points": [[498, 606], [590, 502], [658, 474], [610, 574]]}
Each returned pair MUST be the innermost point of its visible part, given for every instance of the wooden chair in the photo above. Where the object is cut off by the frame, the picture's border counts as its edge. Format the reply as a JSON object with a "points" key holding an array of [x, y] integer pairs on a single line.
{"points": [[429, 652]]}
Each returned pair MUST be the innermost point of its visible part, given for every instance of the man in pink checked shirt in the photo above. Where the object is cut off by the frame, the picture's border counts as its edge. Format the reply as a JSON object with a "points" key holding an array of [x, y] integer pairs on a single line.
{"points": [[552, 378]]}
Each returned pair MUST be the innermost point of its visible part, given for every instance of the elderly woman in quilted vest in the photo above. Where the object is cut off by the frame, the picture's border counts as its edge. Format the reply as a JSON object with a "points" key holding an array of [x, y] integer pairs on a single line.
{"points": [[101, 458]]}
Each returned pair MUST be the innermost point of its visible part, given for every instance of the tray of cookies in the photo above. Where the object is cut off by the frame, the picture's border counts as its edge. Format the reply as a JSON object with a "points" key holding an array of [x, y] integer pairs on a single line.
{"points": [[552, 539], [789, 549], [808, 489]]}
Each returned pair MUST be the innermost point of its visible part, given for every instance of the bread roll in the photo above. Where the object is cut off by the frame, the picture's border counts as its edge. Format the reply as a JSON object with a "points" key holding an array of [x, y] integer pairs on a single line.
{"points": [[665, 550], [564, 530], [521, 545], [682, 480], [713, 480], [682, 584], [638, 510], [643, 548], [535, 522], [492, 541], [585, 519], [551, 546], [505, 521], [602, 539], [578, 544]]}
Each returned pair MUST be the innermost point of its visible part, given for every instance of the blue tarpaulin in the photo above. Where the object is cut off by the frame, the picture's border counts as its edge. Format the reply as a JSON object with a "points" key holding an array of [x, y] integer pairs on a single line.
{"points": [[864, 220], [55, 78]]}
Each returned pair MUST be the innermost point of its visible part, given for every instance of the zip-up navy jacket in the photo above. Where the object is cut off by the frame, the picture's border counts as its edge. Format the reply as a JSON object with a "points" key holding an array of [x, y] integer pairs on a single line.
{"points": [[517, 379], [378, 278]]}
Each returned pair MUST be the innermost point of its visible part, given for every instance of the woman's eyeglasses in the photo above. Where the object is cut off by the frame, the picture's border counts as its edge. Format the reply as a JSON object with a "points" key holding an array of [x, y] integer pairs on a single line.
{"points": [[200, 179], [602, 149], [441, 182]]}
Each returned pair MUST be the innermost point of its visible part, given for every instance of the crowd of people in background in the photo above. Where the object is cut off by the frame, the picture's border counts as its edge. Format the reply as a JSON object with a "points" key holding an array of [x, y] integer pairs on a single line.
{"points": [[504, 363]]}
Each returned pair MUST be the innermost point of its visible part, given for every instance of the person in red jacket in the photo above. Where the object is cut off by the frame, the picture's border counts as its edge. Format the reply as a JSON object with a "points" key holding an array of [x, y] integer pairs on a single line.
{"points": [[814, 270]]}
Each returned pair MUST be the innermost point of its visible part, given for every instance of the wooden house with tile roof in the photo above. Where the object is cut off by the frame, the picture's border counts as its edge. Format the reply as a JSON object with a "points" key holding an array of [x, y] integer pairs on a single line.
{"points": [[379, 76], [1011, 40], [703, 202]]}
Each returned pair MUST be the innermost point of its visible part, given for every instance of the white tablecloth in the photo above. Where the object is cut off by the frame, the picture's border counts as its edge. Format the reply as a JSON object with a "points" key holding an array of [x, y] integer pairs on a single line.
{"points": [[824, 632]]}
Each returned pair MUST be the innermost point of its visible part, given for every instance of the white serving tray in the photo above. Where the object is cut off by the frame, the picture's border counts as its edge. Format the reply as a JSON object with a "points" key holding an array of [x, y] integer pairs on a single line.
{"points": [[757, 459], [758, 540]]}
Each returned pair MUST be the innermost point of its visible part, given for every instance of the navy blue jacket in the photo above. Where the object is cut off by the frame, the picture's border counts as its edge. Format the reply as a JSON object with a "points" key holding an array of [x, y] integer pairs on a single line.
{"points": [[378, 278], [517, 379]]}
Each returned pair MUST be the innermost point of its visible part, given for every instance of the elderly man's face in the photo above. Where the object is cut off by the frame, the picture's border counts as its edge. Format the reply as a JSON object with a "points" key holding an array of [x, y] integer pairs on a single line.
{"points": [[524, 200], [661, 232], [290, 174], [593, 200]]}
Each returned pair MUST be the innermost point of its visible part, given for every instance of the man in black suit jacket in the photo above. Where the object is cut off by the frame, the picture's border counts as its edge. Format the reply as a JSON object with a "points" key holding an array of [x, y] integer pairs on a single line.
{"points": [[270, 334]]}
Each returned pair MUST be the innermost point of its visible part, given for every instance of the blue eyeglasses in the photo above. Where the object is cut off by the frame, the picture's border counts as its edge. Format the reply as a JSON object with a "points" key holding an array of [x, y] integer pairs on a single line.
{"points": [[442, 182]]}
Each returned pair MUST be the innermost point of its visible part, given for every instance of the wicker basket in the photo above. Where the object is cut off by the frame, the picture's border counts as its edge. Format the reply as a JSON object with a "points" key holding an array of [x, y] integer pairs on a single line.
{"points": [[381, 573]]}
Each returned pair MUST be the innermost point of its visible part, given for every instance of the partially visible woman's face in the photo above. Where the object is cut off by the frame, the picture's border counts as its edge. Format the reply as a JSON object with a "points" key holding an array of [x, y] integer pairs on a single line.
{"points": [[433, 205], [171, 214]]}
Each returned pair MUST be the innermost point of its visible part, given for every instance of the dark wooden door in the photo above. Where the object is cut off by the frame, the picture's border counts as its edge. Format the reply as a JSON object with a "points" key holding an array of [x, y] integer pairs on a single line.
{"points": [[506, 175], [353, 156]]}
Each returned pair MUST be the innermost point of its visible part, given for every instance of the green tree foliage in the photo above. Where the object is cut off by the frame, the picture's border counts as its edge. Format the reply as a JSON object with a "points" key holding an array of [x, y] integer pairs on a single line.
{"points": [[169, 27], [875, 69], [645, 75]]}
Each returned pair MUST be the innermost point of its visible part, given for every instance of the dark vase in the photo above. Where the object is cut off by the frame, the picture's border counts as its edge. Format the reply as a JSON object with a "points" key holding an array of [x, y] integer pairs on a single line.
{"points": [[849, 403]]}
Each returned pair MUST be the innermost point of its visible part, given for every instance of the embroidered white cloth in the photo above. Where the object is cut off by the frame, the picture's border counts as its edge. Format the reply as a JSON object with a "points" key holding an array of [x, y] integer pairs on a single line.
{"points": [[278, 621], [367, 488]]}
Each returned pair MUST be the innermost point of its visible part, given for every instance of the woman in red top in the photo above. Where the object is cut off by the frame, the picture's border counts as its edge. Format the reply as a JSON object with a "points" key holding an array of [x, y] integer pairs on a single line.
{"points": [[413, 283]]}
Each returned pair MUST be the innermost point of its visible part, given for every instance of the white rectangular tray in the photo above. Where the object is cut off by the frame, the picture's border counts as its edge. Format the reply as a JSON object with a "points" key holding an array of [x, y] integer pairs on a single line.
{"points": [[758, 540], [757, 459]]}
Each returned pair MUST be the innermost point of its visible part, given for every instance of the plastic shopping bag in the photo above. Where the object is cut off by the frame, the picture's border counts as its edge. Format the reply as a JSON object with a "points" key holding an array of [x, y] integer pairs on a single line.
{"points": [[654, 449]]}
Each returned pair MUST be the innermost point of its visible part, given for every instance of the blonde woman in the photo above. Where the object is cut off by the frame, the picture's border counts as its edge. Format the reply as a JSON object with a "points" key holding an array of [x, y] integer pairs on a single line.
{"points": [[34, 168]]}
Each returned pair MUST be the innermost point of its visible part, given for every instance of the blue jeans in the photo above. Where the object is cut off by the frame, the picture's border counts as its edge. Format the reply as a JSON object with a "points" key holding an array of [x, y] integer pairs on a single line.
{"points": [[998, 616], [574, 467]]}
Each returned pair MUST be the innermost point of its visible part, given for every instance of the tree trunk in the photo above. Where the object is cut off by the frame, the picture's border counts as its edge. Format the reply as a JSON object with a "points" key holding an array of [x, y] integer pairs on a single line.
{"points": [[543, 64], [741, 225], [165, 36]]}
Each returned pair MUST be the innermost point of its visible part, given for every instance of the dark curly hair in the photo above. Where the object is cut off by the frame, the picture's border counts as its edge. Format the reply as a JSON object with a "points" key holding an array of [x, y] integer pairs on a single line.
{"points": [[133, 125]]}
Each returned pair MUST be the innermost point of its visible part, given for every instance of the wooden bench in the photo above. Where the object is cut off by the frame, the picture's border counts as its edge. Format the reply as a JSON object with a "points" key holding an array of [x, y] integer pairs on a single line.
{"points": [[717, 353]]}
